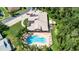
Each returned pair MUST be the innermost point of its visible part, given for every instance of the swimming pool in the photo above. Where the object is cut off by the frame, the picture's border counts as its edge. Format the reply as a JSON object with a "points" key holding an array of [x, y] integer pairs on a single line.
{"points": [[35, 39]]}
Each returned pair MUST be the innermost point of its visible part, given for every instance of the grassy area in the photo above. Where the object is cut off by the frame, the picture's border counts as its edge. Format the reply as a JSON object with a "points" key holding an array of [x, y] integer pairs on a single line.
{"points": [[14, 29], [11, 34], [55, 45]]}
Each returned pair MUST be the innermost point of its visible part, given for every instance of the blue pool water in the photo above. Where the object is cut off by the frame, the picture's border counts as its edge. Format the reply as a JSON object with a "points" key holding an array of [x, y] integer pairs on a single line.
{"points": [[33, 39]]}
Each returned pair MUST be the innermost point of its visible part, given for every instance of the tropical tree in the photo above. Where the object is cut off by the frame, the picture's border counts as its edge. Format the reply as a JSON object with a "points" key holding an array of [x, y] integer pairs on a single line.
{"points": [[66, 32], [3, 27]]}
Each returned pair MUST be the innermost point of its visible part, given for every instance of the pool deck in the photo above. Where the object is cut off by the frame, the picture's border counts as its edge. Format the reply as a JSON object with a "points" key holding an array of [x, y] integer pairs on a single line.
{"points": [[46, 35]]}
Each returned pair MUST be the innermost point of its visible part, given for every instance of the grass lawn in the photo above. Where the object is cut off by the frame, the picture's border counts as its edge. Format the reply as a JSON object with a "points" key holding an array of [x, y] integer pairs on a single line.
{"points": [[55, 45], [11, 34]]}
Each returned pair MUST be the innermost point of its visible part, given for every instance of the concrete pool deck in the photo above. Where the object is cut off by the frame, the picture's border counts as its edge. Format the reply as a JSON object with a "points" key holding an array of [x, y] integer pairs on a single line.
{"points": [[46, 35]]}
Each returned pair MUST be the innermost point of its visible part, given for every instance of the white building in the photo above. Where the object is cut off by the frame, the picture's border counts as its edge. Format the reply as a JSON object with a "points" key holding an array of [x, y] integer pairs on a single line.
{"points": [[5, 44]]}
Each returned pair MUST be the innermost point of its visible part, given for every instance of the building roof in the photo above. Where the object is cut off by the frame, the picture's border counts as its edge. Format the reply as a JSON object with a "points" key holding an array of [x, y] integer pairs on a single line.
{"points": [[40, 23], [5, 45], [43, 21]]}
